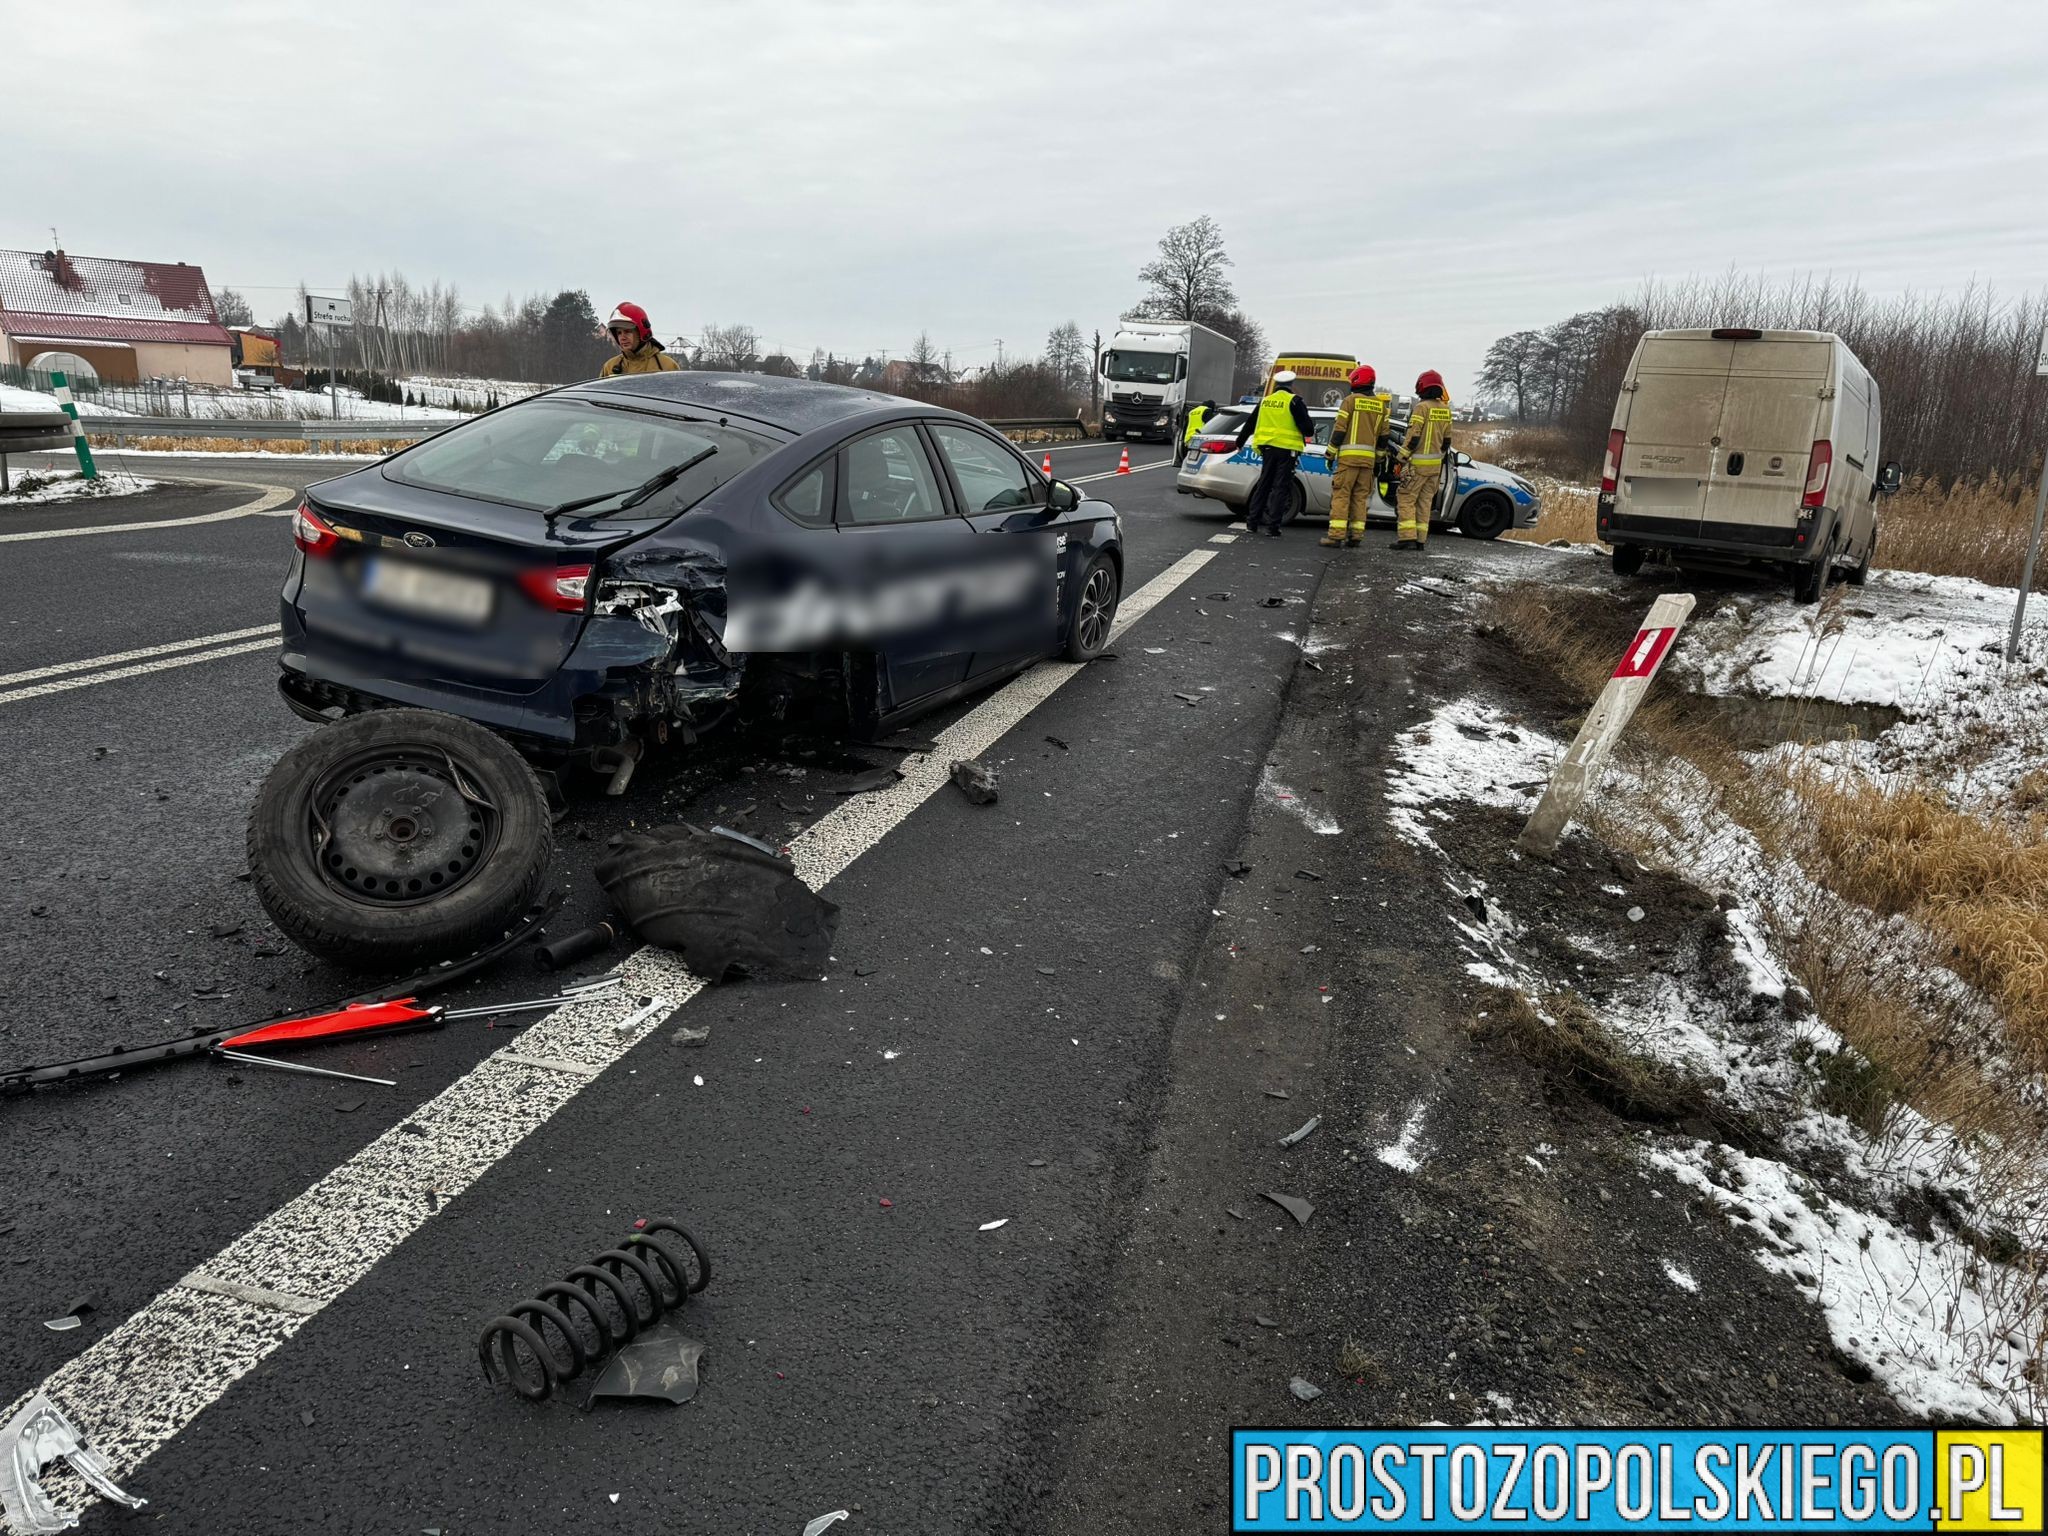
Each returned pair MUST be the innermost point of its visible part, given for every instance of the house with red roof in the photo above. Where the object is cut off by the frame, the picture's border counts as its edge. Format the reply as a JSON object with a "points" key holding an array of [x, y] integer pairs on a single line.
{"points": [[130, 320]]}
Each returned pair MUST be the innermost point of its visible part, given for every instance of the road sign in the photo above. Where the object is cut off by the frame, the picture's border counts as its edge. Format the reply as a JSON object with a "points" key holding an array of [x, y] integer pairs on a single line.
{"points": [[321, 311], [1577, 774]]}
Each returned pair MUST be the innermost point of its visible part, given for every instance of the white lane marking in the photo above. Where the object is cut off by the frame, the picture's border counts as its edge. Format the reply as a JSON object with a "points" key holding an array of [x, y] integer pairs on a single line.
{"points": [[1111, 474], [115, 658], [142, 1382], [1222, 538], [272, 495], [162, 664]]}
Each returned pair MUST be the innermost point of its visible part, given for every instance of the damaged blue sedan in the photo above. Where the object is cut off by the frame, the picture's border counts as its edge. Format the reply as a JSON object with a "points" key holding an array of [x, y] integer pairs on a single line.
{"points": [[609, 568]]}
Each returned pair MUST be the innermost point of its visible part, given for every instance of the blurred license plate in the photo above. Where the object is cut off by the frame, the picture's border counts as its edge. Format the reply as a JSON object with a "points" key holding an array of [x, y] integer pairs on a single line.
{"points": [[436, 594]]}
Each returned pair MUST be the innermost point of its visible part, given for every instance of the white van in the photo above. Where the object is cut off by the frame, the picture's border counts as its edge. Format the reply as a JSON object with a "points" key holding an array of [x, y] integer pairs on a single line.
{"points": [[1737, 445]]}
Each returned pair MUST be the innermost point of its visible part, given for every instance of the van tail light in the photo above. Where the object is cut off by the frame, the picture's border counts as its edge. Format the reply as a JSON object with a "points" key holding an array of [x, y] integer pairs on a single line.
{"points": [[1817, 467], [1610, 467], [562, 588], [311, 534]]}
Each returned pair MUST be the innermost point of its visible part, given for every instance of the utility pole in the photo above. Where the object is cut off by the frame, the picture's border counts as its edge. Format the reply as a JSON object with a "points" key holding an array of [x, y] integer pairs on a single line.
{"points": [[1095, 377], [999, 357]]}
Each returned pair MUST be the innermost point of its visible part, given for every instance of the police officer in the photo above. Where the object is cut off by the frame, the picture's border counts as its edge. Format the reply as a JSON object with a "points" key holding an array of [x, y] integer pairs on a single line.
{"points": [[1422, 458], [1196, 417], [1354, 448], [1279, 429]]}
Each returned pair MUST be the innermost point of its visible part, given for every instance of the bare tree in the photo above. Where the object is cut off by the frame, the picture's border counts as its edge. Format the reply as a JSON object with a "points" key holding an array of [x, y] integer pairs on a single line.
{"points": [[1186, 278], [730, 348], [232, 308], [1066, 354], [1510, 369]]}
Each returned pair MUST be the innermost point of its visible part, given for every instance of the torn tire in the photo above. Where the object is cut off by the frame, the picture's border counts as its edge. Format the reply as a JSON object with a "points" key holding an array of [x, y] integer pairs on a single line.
{"points": [[398, 838]]}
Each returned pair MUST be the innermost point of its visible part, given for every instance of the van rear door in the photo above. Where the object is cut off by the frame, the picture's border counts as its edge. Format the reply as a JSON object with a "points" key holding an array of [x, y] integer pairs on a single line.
{"points": [[1674, 411], [1768, 422]]}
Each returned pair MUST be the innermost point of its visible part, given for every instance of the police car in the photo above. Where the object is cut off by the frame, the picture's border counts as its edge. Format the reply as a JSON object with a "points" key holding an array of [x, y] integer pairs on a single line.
{"points": [[1486, 501]]}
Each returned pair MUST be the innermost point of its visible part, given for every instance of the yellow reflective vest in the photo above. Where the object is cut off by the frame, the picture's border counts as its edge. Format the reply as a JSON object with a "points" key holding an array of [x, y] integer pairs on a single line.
{"points": [[1429, 429], [1195, 419], [1276, 428], [1361, 418]]}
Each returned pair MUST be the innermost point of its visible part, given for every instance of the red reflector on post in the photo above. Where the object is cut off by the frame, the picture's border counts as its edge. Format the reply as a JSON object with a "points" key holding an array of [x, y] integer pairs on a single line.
{"points": [[1644, 652]]}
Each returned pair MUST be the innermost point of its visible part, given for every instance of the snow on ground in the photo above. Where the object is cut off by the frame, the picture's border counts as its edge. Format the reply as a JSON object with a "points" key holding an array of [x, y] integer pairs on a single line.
{"points": [[228, 405], [1946, 1329], [14, 398], [1930, 647], [71, 486], [447, 393], [1275, 793], [1404, 1151], [1909, 1311]]}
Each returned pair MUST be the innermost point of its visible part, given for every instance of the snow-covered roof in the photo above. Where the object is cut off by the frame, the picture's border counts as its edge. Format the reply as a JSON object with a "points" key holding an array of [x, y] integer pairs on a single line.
{"points": [[52, 293]]}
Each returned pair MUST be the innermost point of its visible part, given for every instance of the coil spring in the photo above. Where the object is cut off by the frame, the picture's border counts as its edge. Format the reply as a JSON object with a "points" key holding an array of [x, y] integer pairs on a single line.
{"points": [[642, 1278]]}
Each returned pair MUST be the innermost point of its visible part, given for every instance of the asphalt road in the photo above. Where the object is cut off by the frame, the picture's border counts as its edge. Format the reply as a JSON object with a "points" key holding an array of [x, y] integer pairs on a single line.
{"points": [[990, 1043]]}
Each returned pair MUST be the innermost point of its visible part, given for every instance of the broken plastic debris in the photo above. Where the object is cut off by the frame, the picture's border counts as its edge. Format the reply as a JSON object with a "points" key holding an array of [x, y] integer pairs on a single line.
{"points": [[975, 779], [1278, 1093], [1189, 698], [1303, 1133], [1058, 743], [35, 1438], [1293, 1205], [1635, 914], [1306, 1391], [74, 1317], [660, 1363], [688, 1036], [1272, 602], [1237, 869], [1264, 1321], [990, 1226], [881, 778], [824, 1523]]}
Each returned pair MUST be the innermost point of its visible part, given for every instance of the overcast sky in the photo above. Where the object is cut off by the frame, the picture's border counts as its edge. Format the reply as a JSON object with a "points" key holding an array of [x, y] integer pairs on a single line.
{"points": [[1402, 181]]}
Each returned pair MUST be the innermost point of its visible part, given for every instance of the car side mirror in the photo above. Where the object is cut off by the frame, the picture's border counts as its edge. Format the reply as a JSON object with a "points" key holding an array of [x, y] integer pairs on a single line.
{"points": [[1889, 478], [1063, 497], [1464, 460]]}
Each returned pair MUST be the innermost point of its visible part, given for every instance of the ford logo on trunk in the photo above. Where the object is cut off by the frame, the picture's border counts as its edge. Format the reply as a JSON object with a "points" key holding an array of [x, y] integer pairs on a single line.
{"points": [[420, 540]]}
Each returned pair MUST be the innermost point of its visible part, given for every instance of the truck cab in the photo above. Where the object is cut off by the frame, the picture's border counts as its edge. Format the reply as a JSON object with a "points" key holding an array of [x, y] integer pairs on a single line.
{"points": [[1154, 370]]}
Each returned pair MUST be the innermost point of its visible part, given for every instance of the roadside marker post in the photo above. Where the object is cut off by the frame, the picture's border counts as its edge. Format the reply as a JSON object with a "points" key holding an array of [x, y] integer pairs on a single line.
{"points": [[2019, 607], [1577, 774], [86, 466]]}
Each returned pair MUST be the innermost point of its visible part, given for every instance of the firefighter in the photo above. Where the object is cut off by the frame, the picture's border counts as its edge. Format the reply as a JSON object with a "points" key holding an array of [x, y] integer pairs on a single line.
{"points": [[1279, 429], [1354, 453], [1422, 458], [639, 352]]}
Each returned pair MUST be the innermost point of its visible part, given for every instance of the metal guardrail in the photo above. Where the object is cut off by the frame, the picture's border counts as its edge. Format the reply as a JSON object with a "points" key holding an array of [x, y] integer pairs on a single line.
{"points": [[121, 428], [1037, 424]]}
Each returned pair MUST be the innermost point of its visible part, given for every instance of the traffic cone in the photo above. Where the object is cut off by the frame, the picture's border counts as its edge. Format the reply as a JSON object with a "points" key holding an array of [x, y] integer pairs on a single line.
{"points": [[1048, 466], [1123, 462]]}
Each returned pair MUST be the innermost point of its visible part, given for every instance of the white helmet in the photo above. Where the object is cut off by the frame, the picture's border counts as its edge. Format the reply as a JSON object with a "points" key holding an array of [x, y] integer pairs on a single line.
{"points": [[1284, 376]]}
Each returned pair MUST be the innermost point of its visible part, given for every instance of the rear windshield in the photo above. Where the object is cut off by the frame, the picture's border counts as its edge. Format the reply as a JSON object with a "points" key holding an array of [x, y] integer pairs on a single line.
{"points": [[1224, 421], [546, 452]]}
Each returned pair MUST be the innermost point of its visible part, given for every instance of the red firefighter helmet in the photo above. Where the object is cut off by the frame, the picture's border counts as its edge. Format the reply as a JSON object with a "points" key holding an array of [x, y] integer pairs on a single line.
{"points": [[1428, 377], [1362, 377]]}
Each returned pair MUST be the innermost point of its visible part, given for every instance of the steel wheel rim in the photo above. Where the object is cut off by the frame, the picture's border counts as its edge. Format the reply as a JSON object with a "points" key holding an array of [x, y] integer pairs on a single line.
{"points": [[393, 827], [1096, 600]]}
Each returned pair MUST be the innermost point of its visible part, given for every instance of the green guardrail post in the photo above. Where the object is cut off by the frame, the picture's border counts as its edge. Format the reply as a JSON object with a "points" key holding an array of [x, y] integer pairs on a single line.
{"points": [[86, 466]]}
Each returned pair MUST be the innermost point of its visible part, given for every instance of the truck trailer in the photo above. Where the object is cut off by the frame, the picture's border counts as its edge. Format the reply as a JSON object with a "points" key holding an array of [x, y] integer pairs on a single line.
{"points": [[1153, 371]]}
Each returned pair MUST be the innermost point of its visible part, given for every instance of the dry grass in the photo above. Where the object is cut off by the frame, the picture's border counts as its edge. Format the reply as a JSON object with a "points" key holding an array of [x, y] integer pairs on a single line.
{"points": [[1973, 528], [1981, 885]]}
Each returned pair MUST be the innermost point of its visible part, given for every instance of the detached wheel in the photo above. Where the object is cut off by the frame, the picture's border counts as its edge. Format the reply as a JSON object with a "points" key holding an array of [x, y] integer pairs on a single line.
{"points": [[397, 838], [1628, 559], [1485, 516], [1094, 611]]}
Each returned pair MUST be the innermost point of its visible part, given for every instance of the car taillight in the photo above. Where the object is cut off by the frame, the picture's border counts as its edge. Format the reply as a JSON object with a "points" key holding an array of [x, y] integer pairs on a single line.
{"points": [[1817, 467], [1610, 467], [1218, 445], [311, 534], [561, 587]]}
